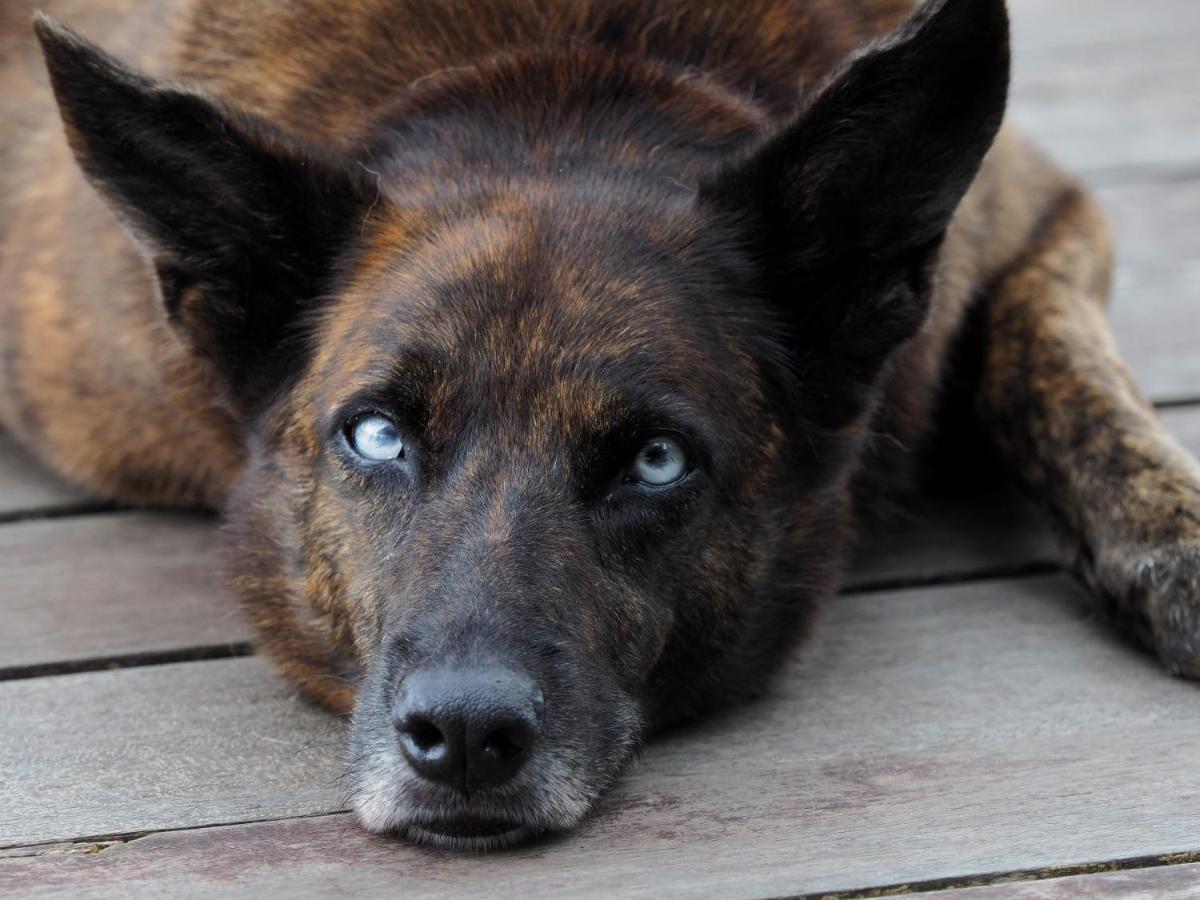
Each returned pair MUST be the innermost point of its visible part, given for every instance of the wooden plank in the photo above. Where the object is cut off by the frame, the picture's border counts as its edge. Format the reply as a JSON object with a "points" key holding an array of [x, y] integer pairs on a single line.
{"points": [[1048, 27], [978, 532], [1122, 107], [1156, 319], [1156, 224], [110, 586], [1107, 88], [160, 747], [1160, 882], [27, 487], [923, 735]]}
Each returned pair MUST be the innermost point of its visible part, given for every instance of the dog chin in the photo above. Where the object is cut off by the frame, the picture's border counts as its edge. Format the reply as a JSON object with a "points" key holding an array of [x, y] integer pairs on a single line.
{"points": [[471, 833], [380, 810], [449, 836]]}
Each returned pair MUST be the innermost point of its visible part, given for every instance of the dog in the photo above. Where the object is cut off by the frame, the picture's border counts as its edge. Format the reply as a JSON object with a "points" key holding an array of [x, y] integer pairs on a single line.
{"points": [[547, 358]]}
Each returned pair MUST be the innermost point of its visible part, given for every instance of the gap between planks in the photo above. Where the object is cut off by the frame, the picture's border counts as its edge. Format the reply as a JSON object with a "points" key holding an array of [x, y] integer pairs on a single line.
{"points": [[70, 511], [951, 886], [199, 653]]}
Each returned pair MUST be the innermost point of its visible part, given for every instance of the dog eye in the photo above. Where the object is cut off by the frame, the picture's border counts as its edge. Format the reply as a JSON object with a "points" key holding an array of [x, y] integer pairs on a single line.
{"points": [[660, 462], [375, 437]]}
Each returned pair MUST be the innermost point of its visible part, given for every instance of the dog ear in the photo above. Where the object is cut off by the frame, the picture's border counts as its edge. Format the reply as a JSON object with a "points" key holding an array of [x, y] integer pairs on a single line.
{"points": [[241, 222], [848, 204]]}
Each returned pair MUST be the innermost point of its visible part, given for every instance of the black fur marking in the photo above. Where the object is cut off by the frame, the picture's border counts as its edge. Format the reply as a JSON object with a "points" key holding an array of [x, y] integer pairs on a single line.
{"points": [[849, 203]]}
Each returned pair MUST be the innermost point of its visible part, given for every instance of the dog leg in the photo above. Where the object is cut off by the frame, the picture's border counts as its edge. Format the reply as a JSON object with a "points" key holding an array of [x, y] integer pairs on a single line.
{"points": [[1069, 418]]}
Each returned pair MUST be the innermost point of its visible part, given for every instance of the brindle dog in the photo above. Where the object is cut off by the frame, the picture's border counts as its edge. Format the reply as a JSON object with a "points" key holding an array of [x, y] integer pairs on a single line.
{"points": [[545, 357]]}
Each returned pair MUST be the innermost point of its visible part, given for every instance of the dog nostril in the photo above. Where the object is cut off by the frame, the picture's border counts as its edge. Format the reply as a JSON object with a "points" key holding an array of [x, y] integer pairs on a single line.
{"points": [[424, 735], [505, 744], [467, 727]]}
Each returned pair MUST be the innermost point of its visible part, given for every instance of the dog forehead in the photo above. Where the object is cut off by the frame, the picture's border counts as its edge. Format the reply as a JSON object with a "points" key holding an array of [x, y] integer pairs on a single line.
{"points": [[523, 298]]}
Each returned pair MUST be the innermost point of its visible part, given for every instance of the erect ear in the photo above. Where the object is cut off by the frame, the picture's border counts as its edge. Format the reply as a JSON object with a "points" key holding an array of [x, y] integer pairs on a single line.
{"points": [[849, 203], [241, 222]]}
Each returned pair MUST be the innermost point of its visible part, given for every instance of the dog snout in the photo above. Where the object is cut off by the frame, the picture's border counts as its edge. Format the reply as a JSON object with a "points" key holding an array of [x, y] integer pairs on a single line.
{"points": [[468, 727]]}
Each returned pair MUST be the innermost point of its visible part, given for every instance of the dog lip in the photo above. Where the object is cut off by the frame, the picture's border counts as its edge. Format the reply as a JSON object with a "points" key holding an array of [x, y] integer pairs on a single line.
{"points": [[473, 834], [471, 827]]}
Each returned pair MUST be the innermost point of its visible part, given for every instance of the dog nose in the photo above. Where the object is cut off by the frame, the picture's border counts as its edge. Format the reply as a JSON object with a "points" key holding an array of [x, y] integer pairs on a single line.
{"points": [[467, 727]]}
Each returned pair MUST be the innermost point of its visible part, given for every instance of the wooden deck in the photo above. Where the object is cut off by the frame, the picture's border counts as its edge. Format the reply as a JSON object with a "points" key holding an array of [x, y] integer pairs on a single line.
{"points": [[963, 724]]}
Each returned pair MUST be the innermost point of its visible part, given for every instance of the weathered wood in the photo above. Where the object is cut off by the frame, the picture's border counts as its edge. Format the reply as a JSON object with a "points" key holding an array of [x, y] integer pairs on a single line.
{"points": [[110, 586], [27, 488], [1048, 27], [1160, 882], [1107, 86], [1156, 318], [941, 733], [1156, 296], [1125, 107], [1157, 229], [160, 747], [1109, 90]]}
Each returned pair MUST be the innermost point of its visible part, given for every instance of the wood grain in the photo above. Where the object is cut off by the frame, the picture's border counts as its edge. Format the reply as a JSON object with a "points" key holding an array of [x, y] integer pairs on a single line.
{"points": [[1156, 297], [160, 747], [1107, 86], [1113, 112], [941, 733], [1156, 226], [111, 585], [1110, 91], [1049, 27], [1156, 319], [1160, 882]]}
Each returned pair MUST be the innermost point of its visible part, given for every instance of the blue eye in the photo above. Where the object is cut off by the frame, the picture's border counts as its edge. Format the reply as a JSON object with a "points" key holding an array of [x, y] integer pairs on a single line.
{"points": [[376, 438], [660, 462]]}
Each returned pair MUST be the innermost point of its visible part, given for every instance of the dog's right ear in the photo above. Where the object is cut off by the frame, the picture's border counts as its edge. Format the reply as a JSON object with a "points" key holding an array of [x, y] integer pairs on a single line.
{"points": [[846, 206], [242, 223]]}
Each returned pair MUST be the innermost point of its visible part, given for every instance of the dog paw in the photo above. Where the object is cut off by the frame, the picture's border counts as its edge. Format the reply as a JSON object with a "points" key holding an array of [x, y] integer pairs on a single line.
{"points": [[1158, 591]]}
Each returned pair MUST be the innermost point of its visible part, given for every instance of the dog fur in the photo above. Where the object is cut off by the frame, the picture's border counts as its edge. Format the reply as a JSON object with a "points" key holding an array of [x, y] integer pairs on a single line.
{"points": [[537, 234]]}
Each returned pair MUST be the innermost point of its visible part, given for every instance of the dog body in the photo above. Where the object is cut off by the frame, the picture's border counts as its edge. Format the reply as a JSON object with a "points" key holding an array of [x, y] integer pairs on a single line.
{"points": [[573, 341]]}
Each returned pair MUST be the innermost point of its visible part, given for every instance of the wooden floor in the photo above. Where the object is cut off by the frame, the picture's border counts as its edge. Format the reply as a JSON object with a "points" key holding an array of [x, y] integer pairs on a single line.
{"points": [[963, 723]]}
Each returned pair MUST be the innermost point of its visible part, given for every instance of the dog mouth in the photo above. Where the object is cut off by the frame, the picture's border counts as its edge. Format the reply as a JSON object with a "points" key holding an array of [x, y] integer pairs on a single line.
{"points": [[470, 833], [384, 806], [405, 791]]}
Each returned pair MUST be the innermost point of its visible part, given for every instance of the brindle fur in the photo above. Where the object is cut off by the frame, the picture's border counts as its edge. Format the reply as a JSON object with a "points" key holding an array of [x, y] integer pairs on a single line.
{"points": [[526, 228]]}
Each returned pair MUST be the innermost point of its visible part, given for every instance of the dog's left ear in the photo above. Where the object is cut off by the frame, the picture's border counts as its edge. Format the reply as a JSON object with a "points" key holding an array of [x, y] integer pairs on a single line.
{"points": [[242, 222], [848, 204]]}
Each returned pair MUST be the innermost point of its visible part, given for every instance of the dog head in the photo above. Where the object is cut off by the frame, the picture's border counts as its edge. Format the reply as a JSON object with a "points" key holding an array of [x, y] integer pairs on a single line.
{"points": [[553, 382]]}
